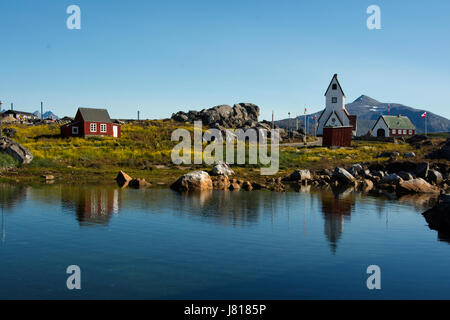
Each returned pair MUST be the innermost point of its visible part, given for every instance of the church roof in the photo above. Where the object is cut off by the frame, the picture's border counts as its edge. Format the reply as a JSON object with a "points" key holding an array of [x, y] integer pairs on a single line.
{"points": [[337, 81]]}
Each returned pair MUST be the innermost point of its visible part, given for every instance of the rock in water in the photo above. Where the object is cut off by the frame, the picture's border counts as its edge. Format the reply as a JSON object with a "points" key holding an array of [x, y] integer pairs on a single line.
{"points": [[299, 175], [193, 181], [139, 184], [221, 169], [16, 150], [418, 185], [343, 176], [438, 218], [123, 179]]}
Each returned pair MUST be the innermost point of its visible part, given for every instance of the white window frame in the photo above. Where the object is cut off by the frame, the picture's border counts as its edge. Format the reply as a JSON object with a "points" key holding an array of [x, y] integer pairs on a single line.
{"points": [[394, 131], [405, 132], [410, 132], [93, 127], [333, 99], [103, 127], [75, 130]]}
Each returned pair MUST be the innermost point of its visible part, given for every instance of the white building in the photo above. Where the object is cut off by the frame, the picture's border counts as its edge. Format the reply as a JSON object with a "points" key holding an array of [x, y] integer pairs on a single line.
{"points": [[335, 113], [393, 126]]}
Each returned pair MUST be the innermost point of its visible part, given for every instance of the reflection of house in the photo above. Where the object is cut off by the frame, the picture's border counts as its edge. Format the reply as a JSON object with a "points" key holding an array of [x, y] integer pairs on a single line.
{"points": [[91, 122], [393, 126], [336, 114], [92, 206]]}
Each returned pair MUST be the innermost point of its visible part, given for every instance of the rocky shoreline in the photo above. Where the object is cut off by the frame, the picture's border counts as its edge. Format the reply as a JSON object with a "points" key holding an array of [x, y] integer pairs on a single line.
{"points": [[396, 177]]}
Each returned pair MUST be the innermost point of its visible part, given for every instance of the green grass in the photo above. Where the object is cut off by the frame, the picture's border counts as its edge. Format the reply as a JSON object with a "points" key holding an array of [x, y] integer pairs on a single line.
{"points": [[146, 144], [6, 161]]}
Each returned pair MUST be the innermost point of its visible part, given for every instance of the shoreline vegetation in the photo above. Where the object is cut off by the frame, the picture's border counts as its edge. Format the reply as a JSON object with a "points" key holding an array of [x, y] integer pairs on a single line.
{"points": [[144, 151]]}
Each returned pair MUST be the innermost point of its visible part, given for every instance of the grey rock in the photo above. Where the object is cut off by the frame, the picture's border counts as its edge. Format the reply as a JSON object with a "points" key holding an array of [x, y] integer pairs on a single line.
{"points": [[299, 175], [435, 177], [343, 176], [422, 169], [221, 169], [16, 150]]}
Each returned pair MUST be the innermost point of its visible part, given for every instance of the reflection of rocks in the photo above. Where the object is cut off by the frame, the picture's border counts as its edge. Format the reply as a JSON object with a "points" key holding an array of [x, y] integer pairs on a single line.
{"points": [[91, 205], [336, 208], [438, 218]]}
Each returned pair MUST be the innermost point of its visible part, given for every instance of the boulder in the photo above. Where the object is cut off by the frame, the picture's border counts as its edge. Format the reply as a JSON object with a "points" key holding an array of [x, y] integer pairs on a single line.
{"points": [[366, 185], [193, 181], [9, 132], [356, 170], [391, 154], [405, 175], [438, 218], [221, 183], [221, 169], [234, 186], [299, 175], [422, 169], [247, 186], [410, 155], [343, 176], [139, 184], [123, 179], [442, 153], [16, 150], [435, 177], [392, 179], [418, 185]]}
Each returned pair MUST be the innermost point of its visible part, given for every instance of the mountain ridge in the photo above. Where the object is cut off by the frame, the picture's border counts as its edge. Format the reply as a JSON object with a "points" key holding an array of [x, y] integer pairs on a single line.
{"points": [[369, 110]]}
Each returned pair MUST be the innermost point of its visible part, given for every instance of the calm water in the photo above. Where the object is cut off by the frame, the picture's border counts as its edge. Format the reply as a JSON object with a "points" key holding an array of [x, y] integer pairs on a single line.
{"points": [[158, 244]]}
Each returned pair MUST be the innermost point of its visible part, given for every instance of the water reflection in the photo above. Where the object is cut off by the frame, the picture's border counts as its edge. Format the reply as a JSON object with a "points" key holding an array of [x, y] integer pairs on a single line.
{"points": [[9, 196], [92, 206], [336, 208]]}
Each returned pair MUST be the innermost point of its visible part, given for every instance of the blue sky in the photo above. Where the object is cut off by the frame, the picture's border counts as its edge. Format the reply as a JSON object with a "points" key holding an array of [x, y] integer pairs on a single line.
{"points": [[164, 56]]}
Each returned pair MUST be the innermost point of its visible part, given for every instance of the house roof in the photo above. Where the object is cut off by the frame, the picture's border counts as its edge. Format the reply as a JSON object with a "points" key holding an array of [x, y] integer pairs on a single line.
{"points": [[337, 81], [95, 115], [19, 112], [397, 122]]}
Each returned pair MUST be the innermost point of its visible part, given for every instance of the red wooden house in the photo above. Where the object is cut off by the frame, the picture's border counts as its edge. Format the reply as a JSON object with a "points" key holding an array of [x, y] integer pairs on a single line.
{"points": [[90, 122]]}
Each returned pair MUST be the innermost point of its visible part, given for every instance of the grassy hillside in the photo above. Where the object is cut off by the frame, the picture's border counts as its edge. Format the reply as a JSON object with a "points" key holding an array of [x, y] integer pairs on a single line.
{"points": [[147, 145]]}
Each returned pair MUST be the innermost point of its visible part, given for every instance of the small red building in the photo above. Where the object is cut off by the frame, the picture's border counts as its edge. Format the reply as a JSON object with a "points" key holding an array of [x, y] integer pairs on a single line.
{"points": [[90, 122], [337, 136]]}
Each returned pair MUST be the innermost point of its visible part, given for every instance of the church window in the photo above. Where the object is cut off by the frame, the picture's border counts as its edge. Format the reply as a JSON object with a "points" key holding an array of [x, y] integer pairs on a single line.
{"points": [[333, 100]]}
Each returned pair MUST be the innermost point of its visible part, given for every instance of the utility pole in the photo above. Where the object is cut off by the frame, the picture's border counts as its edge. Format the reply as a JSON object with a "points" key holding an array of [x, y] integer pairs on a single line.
{"points": [[273, 122], [138, 115], [42, 110], [12, 106], [289, 126]]}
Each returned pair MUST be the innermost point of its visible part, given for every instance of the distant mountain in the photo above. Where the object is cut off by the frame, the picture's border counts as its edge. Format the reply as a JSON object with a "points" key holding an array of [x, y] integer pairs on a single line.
{"points": [[47, 115], [369, 110]]}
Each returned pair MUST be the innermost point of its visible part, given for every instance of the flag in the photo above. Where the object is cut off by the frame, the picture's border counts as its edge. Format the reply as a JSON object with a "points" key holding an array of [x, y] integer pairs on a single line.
{"points": [[305, 110], [424, 115], [315, 117]]}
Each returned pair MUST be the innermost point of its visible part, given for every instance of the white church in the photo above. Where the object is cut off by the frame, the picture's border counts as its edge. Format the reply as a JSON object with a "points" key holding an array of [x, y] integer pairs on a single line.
{"points": [[335, 113]]}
